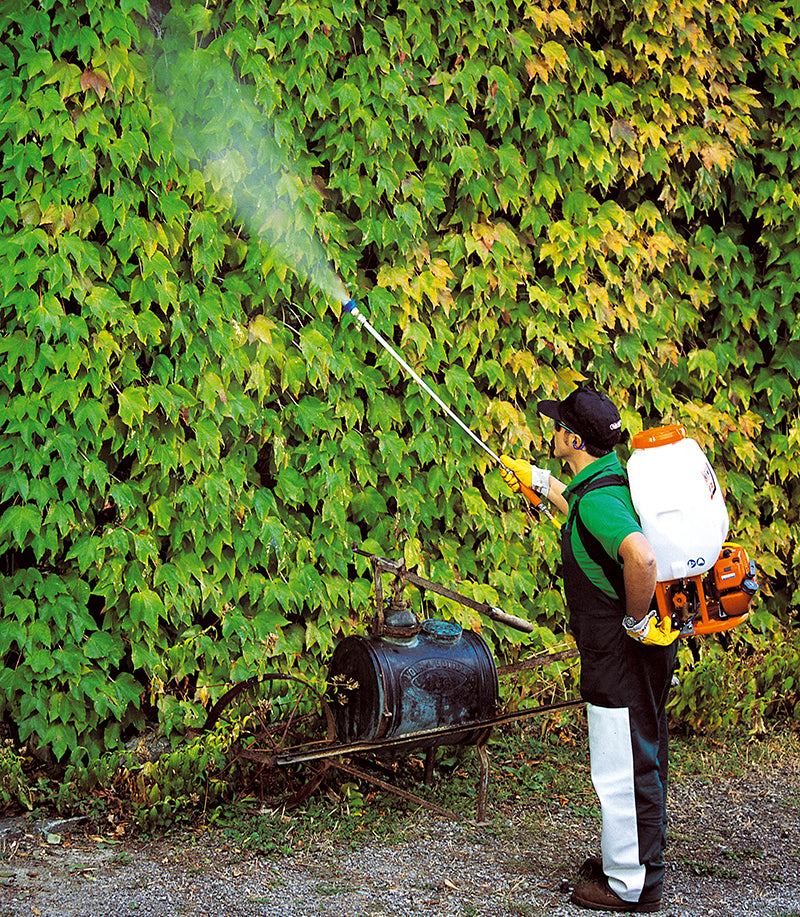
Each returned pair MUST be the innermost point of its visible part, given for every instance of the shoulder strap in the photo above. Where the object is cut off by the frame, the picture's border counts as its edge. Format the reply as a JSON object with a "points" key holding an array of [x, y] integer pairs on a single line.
{"points": [[602, 480], [611, 568]]}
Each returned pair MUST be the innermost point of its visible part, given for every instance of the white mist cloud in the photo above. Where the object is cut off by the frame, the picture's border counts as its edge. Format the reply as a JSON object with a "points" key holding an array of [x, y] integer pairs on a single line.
{"points": [[219, 125]]}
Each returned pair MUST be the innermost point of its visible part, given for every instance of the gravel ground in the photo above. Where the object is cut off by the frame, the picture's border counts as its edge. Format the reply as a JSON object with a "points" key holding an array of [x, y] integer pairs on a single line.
{"points": [[734, 851]]}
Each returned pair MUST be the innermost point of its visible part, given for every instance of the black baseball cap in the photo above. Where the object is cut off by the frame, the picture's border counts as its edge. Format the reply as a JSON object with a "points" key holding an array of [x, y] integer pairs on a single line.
{"points": [[590, 414]]}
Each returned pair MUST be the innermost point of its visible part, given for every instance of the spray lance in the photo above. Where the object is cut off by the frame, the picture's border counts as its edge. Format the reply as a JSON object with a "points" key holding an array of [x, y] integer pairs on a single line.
{"points": [[722, 595], [353, 310]]}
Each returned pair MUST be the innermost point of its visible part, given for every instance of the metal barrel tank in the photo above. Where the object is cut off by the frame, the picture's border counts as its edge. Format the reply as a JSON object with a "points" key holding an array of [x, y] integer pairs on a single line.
{"points": [[440, 677]]}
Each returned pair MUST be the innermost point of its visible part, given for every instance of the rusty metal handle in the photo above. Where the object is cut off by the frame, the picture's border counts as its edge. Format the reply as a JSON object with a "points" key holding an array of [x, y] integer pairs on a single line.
{"points": [[491, 611]]}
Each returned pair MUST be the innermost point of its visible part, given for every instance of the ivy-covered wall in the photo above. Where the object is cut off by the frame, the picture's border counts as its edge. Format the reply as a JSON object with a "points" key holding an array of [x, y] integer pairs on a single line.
{"points": [[522, 196]]}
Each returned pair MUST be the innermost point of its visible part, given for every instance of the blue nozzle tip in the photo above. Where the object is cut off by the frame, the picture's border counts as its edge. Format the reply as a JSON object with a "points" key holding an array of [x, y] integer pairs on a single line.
{"points": [[349, 305]]}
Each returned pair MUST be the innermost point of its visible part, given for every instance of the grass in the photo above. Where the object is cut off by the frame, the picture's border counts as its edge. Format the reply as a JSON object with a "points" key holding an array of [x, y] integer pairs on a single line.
{"points": [[333, 889], [121, 859], [732, 753], [533, 766], [703, 870], [527, 763]]}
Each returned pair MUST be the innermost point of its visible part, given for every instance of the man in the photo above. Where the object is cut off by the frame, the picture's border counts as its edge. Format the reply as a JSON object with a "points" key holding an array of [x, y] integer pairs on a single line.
{"points": [[627, 653]]}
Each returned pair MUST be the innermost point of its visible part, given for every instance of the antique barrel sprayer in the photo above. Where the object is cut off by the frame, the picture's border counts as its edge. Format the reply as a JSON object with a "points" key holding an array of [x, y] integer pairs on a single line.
{"points": [[410, 684]]}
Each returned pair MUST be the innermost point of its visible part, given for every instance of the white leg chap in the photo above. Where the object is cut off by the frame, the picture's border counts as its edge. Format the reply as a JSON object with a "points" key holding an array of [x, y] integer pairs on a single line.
{"points": [[611, 754]]}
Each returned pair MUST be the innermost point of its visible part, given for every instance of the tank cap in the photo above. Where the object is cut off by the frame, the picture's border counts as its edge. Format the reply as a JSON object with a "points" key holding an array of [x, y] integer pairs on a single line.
{"points": [[659, 436], [442, 631], [402, 618]]}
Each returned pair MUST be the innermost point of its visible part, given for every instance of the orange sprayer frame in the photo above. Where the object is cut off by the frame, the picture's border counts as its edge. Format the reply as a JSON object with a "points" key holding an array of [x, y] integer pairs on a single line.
{"points": [[718, 599]]}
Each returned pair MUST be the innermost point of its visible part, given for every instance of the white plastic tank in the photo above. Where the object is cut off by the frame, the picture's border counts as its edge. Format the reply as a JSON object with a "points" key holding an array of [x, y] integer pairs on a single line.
{"points": [[679, 501]]}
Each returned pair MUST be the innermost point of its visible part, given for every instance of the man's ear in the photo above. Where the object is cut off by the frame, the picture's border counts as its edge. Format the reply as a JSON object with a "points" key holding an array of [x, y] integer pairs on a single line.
{"points": [[577, 443]]}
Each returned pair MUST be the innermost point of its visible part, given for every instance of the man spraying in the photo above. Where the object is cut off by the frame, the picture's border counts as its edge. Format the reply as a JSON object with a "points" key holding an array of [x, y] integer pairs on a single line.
{"points": [[627, 653]]}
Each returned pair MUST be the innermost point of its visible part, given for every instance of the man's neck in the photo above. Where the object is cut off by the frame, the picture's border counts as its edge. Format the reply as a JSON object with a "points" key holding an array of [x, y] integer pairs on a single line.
{"points": [[579, 460]]}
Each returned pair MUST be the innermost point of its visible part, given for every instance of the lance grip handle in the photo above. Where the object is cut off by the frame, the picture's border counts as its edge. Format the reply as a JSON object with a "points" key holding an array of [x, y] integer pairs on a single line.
{"points": [[532, 496]]}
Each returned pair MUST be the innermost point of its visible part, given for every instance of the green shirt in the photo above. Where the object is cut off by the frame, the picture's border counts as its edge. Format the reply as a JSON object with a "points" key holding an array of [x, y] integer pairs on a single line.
{"points": [[607, 513]]}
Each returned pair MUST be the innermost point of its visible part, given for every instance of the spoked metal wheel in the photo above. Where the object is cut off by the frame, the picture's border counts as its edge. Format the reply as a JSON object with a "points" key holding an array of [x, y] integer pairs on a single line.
{"points": [[269, 719]]}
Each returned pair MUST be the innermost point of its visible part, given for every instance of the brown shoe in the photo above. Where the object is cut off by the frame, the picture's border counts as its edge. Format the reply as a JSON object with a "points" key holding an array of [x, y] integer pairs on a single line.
{"points": [[597, 896], [591, 870]]}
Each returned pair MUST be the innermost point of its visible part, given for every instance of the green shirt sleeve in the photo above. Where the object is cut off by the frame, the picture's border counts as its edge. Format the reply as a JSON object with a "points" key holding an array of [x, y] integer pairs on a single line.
{"points": [[610, 517]]}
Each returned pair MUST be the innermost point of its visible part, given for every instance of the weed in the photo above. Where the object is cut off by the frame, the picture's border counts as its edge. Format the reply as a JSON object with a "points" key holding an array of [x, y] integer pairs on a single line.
{"points": [[709, 870], [334, 889], [14, 787], [520, 909], [732, 753], [746, 853]]}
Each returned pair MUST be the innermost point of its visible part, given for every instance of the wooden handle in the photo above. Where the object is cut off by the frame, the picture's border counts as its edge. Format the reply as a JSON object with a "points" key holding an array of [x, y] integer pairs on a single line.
{"points": [[497, 614]]}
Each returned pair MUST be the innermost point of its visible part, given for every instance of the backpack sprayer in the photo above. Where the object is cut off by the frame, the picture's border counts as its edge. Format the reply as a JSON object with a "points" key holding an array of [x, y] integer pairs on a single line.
{"points": [[704, 583]]}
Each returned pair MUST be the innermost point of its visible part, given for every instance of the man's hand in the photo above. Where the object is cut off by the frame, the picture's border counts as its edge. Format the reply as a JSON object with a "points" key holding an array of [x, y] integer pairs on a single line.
{"points": [[537, 479], [652, 630]]}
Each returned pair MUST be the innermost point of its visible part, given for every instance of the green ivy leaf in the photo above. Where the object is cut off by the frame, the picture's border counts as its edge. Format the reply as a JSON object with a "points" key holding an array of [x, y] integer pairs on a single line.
{"points": [[704, 362], [146, 608], [101, 645], [21, 522], [133, 406], [787, 357]]}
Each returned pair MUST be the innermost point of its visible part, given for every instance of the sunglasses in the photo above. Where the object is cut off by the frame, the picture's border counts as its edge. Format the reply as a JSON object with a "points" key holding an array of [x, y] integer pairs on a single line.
{"points": [[562, 426]]}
